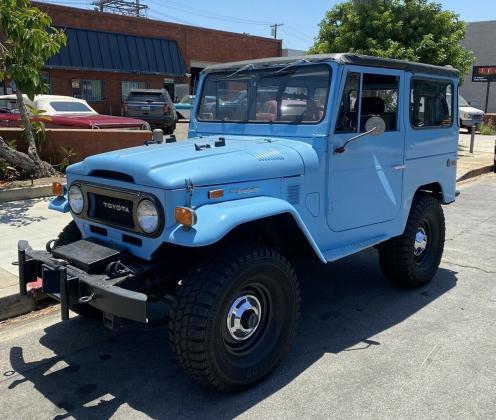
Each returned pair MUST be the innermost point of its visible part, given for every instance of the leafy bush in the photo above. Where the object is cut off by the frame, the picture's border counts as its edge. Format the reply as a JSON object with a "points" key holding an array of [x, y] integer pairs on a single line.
{"points": [[488, 129]]}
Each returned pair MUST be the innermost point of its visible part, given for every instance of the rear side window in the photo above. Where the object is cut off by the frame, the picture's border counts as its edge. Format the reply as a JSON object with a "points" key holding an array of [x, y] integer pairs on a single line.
{"points": [[430, 103], [147, 97]]}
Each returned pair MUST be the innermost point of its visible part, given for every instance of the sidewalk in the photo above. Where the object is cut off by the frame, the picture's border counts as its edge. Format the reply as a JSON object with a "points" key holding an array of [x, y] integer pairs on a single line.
{"points": [[481, 161], [27, 219]]}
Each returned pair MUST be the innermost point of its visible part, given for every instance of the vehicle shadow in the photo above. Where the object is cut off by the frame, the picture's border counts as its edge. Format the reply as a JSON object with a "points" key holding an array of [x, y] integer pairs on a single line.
{"points": [[16, 213], [345, 304]]}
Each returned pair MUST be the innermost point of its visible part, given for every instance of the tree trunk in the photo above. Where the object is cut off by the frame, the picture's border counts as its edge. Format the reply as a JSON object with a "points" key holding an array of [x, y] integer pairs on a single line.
{"points": [[30, 162]]}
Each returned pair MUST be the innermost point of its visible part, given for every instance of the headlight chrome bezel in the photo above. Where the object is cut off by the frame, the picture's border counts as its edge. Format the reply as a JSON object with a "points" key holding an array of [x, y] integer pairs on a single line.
{"points": [[76, 189], [151, 206]]}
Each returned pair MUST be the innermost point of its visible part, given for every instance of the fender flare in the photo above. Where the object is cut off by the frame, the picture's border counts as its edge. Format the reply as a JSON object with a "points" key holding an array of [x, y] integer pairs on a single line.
{"points": [[215, 221], [60, 204]]}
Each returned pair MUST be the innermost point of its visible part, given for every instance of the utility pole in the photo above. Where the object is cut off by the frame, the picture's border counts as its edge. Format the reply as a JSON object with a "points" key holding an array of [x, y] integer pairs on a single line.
{"points": [[274, 29]]}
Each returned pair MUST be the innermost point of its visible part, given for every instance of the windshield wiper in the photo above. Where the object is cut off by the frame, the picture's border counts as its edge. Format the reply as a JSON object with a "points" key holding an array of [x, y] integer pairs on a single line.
{"points": [[247, 67], [283, 69]]}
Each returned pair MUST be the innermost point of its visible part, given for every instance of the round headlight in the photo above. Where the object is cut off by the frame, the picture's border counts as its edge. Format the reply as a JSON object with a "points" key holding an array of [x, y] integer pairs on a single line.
{"points": [[147, 216], [76, 199]]}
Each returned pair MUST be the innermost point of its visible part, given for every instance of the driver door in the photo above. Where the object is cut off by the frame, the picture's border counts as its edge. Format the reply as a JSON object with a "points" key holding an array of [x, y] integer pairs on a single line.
{"points": [[365, 182]]}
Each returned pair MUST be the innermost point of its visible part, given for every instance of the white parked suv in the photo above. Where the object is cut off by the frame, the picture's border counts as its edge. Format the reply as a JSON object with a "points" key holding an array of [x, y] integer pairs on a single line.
{"points": [[469, 115]]}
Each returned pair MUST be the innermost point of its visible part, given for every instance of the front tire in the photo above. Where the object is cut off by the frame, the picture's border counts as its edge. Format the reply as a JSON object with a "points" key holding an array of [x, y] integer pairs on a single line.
{"points": [[412, 259], [234, 316]]}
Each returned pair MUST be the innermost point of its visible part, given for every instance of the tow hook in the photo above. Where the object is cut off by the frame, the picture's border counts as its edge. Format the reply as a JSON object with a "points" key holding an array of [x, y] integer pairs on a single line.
{"points": [[117, 269], [86, 299]]}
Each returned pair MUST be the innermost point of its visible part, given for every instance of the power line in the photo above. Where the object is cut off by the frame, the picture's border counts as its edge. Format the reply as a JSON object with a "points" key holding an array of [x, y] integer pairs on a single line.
{"points": [[215, 16]]}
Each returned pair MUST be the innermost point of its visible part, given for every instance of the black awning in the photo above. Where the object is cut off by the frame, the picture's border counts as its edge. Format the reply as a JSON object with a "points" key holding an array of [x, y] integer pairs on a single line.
{"points": [[108, 51]]}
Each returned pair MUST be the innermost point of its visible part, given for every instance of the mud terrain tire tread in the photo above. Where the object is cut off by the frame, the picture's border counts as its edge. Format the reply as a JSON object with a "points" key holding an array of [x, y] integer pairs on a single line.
{"points": [[396, 256], [197, 298]]}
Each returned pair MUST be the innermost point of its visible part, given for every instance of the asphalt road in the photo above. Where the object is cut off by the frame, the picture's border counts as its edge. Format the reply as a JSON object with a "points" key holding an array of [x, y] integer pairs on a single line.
{"points": [[364, 349]]}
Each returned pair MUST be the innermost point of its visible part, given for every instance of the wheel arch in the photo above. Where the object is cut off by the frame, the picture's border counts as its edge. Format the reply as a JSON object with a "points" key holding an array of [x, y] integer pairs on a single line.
{"points": [[248, 219]]}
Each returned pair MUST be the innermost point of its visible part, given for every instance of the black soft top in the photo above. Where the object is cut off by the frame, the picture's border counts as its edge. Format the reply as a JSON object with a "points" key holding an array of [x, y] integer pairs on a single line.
{"points": [[346, 58]]}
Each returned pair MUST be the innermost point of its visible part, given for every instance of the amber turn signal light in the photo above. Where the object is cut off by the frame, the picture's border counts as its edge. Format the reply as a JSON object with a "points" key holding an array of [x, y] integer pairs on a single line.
{"points": [[212, 194], [185, 216], [57, 189]]}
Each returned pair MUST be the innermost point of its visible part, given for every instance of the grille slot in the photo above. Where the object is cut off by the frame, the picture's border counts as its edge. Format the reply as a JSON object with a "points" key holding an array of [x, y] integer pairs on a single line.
{"points": [[118, 176], [99, 230]]}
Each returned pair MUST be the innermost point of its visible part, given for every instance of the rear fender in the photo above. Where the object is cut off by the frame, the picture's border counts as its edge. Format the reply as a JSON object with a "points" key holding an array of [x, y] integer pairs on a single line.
{"points": [[215, 221]]}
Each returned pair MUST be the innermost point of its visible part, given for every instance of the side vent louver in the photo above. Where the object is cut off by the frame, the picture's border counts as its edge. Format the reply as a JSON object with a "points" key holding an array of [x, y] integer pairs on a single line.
{"points": [[294, 194]]}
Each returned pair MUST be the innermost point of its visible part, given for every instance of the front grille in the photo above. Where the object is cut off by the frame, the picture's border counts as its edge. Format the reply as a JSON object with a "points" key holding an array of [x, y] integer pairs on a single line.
{"points": [[116, 207], [113, 210]]}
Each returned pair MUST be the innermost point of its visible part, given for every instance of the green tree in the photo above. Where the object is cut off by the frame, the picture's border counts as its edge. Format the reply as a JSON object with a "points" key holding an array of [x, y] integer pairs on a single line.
{"points": [[28, 40], [415, 30]]}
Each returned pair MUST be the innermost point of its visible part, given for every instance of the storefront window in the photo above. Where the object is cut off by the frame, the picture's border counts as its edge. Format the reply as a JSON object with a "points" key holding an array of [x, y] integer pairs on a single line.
{"points": [[90, 90], [127, 86]]}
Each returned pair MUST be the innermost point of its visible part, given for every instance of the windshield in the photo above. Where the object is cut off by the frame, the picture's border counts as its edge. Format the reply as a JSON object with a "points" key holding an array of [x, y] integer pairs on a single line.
{"points": [[65, 106], [278, 95], [462, 101]]}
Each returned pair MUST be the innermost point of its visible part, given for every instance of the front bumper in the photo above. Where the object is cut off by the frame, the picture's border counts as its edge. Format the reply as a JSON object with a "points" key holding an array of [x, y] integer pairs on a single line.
{"points": [[471, 122], [162, 120], [65, 280]]}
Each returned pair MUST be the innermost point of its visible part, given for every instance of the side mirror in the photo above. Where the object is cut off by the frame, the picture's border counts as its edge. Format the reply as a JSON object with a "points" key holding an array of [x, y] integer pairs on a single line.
{"points": [[374, 126]]}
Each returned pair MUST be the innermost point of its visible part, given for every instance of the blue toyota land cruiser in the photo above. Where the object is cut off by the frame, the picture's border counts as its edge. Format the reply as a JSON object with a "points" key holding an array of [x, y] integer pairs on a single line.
{"points": [[325, 155]]}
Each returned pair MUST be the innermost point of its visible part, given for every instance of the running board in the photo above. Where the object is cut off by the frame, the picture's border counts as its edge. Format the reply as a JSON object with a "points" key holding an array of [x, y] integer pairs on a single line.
{"points": [[337, 253]]}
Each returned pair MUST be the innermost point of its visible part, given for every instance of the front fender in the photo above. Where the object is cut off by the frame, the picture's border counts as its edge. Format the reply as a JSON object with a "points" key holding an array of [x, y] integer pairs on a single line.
{"points": [[214, 221]]}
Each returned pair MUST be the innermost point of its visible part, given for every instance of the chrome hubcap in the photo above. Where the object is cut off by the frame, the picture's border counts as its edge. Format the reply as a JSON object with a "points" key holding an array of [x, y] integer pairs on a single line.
{"points": [[243, 317], [420, 242]]}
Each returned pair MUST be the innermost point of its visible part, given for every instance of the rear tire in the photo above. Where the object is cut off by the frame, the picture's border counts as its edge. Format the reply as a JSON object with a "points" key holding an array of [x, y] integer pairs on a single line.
{"points": [[412, 259], [234, 316]]}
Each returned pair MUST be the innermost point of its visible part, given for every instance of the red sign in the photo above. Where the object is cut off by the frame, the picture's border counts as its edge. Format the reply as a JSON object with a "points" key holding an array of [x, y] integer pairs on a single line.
{"points": [[484, 74]]}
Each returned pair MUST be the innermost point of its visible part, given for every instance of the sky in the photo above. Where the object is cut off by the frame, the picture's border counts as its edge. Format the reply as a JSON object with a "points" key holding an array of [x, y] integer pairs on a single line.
{"points": [[300, 18]]}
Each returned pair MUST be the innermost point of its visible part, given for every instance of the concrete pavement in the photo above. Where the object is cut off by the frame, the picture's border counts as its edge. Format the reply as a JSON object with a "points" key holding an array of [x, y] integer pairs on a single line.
{"points": [[477, 163], [364, 349]]}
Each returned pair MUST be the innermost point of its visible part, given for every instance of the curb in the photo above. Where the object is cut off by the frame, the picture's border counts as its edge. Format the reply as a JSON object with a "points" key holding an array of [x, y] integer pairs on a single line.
{"points": [[14, 305], [476, 172], [25, 193]]}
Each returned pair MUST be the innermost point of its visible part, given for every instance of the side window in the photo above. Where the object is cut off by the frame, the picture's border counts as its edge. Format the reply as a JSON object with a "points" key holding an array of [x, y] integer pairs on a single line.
{"points": [[347, 121], [430, 103], [380, 99]]}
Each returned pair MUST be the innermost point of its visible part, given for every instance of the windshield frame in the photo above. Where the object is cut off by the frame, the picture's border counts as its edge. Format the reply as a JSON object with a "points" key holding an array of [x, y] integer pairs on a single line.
{"points": [[264, 73]]}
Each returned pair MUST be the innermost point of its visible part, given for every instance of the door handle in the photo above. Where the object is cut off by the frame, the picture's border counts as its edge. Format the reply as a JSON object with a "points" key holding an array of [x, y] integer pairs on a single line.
{"points": [[399, 167]]}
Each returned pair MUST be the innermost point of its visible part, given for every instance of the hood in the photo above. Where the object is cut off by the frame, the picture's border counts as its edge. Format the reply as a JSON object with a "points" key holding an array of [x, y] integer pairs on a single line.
{"points": [[169, 165], [471, 110]]}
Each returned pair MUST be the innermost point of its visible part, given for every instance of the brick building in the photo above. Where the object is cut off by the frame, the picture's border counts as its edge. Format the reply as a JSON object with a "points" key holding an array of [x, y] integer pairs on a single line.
{"points": [[108, 54]]}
